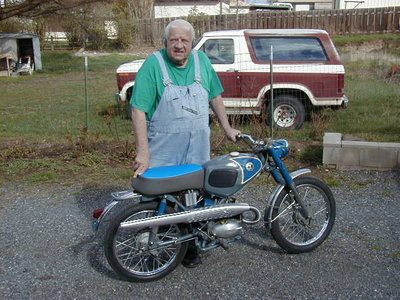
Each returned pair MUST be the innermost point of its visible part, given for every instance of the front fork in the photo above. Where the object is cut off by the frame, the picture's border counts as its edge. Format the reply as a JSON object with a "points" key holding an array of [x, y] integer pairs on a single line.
{"points": [[282, 176]]}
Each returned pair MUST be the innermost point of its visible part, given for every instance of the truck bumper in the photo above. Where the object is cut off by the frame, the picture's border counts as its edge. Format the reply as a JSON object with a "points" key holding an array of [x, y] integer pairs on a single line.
{"points": [[345, 102], [117, 97]]}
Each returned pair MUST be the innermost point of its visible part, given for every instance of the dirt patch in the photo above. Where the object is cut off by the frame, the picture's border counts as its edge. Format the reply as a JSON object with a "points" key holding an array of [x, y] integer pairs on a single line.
{"points": [[364, 47]]}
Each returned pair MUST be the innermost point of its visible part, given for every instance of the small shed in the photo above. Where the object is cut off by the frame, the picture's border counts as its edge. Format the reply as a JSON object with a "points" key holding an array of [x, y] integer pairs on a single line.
{"points": [[19, 45]]}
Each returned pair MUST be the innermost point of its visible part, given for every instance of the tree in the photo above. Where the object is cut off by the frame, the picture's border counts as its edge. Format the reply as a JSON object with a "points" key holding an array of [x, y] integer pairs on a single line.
{"points": [[127, 12], [35, 8], [137, 9]]}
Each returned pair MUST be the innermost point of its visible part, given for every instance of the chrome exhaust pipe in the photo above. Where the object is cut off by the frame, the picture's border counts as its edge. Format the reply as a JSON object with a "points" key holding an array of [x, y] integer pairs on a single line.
{"points": [[221, 211]]}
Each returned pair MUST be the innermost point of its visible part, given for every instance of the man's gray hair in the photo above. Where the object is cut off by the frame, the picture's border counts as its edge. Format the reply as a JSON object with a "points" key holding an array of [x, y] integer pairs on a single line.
{"points": [[177, 23]]}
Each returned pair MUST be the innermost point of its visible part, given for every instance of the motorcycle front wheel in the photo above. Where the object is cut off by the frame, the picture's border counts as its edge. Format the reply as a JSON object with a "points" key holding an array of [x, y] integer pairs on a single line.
{"points": [[290, 229], [129, 252]]}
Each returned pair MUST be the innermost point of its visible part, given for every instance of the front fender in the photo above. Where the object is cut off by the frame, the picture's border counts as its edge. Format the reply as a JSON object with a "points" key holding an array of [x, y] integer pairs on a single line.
{"points": [[274, 195], [122, 94]]}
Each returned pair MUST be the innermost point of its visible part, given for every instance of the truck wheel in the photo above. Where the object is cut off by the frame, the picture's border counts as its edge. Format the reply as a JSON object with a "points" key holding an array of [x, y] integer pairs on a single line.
{"points": [[288, 113]]}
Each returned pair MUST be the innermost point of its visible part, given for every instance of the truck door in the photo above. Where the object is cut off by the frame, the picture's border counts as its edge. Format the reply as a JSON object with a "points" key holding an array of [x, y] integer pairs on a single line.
{"points": [[224, 57]]}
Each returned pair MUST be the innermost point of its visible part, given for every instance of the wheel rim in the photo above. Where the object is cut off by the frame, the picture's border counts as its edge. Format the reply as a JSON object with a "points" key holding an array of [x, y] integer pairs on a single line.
{"points": [[132, 249], [293, 227], [284, 115]]}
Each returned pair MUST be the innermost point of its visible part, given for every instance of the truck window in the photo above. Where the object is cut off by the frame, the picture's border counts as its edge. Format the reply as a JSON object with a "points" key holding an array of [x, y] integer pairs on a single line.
{"points": [[219, 51], [288, 48]]}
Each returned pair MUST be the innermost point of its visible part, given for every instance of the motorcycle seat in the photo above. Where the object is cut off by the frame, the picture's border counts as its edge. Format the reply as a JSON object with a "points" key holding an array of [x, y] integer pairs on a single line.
{"points": [[168, 179]]}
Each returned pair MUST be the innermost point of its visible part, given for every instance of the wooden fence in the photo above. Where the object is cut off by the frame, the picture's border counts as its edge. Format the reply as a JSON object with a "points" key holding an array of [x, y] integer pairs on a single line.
{"points": [[349, 21]]}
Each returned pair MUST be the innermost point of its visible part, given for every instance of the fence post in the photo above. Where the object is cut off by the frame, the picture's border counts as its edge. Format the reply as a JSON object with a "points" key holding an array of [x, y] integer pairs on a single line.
{"points": [[271, 91], [86, 95], [52, 43]]}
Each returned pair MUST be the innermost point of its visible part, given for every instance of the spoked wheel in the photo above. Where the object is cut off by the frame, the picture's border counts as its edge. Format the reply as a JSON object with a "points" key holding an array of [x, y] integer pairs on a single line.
{"points": [[290, 229], [138, 255]]}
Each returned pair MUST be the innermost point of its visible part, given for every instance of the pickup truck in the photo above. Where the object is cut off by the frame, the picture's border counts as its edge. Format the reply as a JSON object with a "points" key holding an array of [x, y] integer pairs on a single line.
{"points": [[306, 72]]}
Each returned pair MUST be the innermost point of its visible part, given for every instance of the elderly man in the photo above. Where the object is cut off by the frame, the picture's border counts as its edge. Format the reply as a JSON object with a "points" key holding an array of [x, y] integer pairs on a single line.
{"points": [[170, 106]]}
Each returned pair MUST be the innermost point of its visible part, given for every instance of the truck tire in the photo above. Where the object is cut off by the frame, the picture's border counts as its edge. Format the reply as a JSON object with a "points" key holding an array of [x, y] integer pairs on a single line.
{"points": [[288, 113]]}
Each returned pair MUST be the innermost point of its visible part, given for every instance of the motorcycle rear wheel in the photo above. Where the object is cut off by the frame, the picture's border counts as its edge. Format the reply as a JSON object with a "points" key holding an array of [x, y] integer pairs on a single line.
{"points": [[128, 251], [289, 228]]}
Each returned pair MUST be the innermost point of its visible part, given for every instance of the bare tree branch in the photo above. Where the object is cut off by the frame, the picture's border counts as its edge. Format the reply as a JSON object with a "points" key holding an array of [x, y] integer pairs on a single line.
{"points": [[34, 8]]}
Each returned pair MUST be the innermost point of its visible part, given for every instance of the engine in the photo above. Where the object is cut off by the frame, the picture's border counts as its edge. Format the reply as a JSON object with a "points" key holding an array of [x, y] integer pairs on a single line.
{"points": [[225, 228]]}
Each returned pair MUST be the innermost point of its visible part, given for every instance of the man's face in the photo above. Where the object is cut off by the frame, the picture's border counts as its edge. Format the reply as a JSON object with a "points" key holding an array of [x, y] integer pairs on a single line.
{"points": [[179, 46]]}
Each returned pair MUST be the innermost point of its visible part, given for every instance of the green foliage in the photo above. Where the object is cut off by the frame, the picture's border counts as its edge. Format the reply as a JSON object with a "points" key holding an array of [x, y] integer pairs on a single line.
{"points": [[61, 62], [42, 176], [312, 155], [374, 109], [332, 180], [342, 40], [38, 170]]}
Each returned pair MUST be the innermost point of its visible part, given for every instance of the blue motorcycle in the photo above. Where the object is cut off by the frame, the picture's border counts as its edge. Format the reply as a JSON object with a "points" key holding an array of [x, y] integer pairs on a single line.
{"points": [[174, 205]]}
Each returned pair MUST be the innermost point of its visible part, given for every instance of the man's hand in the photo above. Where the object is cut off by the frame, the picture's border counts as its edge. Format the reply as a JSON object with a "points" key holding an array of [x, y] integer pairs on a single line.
{"points": [[232, 133], [141, 164], [218, 107]]}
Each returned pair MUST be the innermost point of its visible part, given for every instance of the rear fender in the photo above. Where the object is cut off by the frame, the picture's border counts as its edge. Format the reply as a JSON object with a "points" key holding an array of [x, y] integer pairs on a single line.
{"points": [[117, 199], [274, 194]]}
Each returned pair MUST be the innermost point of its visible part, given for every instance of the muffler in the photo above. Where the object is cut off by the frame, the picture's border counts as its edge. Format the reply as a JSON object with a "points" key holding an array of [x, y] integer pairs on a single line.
{"points": [[222, 211]]}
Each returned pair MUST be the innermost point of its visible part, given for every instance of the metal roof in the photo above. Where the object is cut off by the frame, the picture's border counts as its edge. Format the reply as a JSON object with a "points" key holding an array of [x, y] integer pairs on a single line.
{"points": [[17, 35], [240, 32]]}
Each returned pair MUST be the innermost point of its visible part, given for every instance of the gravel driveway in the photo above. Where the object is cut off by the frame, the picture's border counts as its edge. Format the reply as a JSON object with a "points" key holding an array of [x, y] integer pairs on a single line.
{"points": [[47, 250]]}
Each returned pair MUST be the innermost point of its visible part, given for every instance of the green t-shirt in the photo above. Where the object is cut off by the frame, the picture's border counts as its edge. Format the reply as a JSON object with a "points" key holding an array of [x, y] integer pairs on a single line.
{"points": [[149, 86]]}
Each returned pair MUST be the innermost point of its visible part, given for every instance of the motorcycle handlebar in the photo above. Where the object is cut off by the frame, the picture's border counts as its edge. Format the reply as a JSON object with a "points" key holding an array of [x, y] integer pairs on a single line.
{"points": [[251, 141], [246, 138]]}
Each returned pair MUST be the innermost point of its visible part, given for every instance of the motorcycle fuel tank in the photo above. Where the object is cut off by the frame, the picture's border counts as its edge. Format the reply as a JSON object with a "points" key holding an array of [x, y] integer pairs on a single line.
{"points": [[227, 174]]}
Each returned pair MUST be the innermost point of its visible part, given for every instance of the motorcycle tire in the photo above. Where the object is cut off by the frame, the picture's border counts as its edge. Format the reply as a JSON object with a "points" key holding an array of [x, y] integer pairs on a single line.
{"points": [[290, 229], [128, 251]]}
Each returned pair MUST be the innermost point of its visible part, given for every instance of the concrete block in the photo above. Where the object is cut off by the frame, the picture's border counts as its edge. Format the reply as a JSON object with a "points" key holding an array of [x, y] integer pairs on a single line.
{"points": [[355, 168], [360, 144], [349, 157], [329, 155], [359, 155], [392, 146], [332, 139], [378, 158]]}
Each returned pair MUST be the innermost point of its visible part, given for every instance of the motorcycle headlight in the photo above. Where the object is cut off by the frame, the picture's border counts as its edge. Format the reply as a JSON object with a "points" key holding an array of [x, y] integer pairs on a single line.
{"points": [[282, 147]]}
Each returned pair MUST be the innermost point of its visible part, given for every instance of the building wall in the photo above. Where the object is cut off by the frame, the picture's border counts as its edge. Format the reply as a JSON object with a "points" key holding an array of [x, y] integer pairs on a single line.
{"points": [[9, 46], [304, 5], [184, 9], [344, 4]]}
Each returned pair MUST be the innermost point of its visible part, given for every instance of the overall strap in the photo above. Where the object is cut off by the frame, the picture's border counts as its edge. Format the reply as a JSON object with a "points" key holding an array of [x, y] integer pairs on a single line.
{"points": [[166, 79], [197, 75]]}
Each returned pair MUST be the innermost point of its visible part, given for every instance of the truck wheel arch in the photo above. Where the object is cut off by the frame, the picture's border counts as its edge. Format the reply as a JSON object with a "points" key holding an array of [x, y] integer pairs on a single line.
{"points": [[286, 88], [126, 90]]}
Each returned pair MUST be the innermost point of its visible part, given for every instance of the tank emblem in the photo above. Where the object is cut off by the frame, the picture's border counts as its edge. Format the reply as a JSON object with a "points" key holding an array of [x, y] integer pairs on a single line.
{"points": [[249, 166]]}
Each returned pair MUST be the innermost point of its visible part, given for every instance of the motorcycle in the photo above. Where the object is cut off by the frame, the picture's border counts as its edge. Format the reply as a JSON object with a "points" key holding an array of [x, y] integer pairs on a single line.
{"points": [[173, 205]]}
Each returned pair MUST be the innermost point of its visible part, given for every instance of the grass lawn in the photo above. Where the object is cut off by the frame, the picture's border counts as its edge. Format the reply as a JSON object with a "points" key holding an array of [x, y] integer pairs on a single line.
{"points": [[43, 119]]}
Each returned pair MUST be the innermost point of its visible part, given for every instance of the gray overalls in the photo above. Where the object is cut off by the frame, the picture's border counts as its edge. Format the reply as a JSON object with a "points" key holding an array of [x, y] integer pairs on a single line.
{"points": [[178, 132]]}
